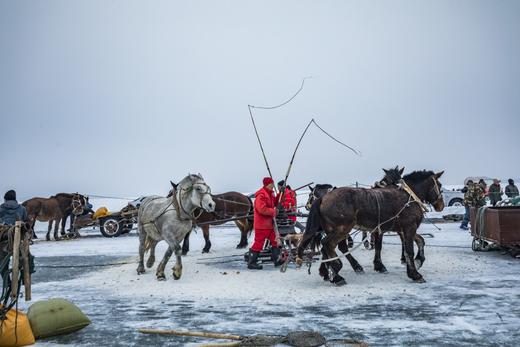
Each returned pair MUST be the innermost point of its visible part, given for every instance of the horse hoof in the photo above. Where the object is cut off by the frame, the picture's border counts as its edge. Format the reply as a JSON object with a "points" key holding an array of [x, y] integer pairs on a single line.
{"points": [[204, 250], [420, 280], [381, 269], [184, 253], [175, 277], [359, 270], [338, 281], [140, 271], [239, 246], [161, 278]]}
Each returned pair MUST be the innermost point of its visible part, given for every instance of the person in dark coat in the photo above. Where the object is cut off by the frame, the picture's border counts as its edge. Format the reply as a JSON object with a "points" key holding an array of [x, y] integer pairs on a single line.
{"points": [[264, 214], [511, 189], [495, 192], [11, 211]]}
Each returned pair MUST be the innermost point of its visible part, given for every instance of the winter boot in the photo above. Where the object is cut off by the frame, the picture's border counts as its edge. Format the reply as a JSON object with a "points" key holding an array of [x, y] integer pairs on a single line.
{"points": [[253, 261], [275, 256]]}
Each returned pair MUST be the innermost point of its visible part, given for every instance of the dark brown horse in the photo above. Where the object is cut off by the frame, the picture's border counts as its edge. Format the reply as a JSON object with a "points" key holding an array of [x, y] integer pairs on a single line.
{"points": [[229, 205], [53, 209], [373, 210]]}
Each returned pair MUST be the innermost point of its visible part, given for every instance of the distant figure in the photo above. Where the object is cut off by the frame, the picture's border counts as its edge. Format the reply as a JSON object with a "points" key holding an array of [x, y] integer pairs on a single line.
{"points": [[495, 192], [289, 203], [473, 197], [511, 189], [484, 187], [11, 211]]}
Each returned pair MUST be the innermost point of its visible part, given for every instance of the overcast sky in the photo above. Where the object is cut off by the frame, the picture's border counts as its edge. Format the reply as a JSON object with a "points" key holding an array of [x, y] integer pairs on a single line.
{"points": [[118, 97]]}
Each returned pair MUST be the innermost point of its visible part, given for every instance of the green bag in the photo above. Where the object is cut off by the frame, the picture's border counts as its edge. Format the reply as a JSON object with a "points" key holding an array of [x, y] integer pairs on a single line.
{"points": [[55, 317]]}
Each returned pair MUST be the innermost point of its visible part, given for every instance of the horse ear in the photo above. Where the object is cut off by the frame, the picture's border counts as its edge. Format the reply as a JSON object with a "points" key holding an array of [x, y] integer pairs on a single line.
{"points": [[311, 187], [401, 171], [385, 171], [439, 174], [200, 176], [173, 185]]}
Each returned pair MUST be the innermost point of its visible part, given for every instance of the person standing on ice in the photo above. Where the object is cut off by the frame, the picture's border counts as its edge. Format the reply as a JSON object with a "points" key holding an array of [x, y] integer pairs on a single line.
{"points": [[11, 211], [289, 203], [495, 192], [264, 214], [511, 189], [474, 196]]}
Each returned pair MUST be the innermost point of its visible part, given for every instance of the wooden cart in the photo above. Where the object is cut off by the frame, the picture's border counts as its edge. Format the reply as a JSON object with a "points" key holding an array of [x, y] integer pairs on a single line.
{"points": [[495, 226]]}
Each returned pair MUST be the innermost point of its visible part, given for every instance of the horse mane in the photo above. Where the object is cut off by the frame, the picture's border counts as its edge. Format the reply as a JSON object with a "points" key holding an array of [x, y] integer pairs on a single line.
{"points": [[418, 176], [65, 195], [323, 186]]}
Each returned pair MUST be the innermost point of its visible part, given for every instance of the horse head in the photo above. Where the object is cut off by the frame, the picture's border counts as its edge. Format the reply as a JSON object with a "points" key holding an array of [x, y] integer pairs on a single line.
{"points": [[427, 187], [196, 190], [392, 176], [78, 203], [317, 192]]}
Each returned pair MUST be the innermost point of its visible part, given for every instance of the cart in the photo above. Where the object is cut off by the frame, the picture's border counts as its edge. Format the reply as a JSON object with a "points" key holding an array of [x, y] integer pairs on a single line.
{"points": [[495, 227], [111, 225]]}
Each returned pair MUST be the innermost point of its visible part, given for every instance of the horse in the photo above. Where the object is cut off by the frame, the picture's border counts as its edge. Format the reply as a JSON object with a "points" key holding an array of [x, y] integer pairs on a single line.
{"points": [[318, 191], [228, 205], [68, 203], [170, 219], [383, 209], [53, 209]]}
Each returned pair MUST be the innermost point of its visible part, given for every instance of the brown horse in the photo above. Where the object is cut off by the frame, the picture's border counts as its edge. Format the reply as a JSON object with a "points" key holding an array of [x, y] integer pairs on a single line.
{"points": [[53, 209], [229, 205], [380, 210]]}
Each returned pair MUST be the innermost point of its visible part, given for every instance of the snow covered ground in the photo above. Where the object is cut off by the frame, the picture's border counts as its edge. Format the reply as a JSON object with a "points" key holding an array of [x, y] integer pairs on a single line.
{"points": [[469, 298]]}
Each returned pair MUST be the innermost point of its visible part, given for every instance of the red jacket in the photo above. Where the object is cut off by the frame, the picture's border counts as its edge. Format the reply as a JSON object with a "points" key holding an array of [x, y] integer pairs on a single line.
{"points": [[289, 202], [265, 209]]}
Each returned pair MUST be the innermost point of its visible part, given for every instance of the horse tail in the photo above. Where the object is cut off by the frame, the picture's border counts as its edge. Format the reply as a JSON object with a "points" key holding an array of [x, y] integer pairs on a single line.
{"points": [[147, 244], [312, 228], [250, 219]]}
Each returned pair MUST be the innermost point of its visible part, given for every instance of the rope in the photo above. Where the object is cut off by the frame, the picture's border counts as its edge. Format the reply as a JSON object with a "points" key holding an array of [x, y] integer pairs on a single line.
{"points": [[285, 102]]}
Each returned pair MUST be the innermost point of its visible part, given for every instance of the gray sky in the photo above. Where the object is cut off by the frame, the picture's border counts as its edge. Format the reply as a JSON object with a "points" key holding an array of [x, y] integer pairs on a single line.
{"points": [[119, 97]]}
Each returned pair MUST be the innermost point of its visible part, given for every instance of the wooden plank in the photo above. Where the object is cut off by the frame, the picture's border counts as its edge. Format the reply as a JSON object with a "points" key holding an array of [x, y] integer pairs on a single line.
{"points": [[16, 259]]}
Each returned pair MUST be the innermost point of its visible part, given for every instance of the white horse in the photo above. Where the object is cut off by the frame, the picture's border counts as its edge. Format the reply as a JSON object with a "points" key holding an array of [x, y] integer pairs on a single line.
{"points": [[170, 219]]}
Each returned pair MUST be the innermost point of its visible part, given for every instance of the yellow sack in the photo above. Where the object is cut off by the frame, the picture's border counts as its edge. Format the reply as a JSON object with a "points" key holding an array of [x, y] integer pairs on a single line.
{"points": [[23, 336], [100, 212]]}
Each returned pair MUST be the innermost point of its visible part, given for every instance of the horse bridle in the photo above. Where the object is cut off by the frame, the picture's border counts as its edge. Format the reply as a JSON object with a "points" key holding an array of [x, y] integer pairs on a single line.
{"points": [[313, 197], [76, 203], [189, 189], [437, 190]]}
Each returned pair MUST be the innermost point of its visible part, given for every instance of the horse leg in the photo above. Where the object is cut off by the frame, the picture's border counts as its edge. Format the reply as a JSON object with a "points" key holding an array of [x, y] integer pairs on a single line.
{"points": [[410, 264], [151, 257], [186, 244], [142, 242], [205, 232], [63, 222], [343, 247], [242, 225], [49, 227], [329, 245], [419, 259], [56, 228], [160, 268], [378, 264], [177, 269], [366, 243], [401, 236]]}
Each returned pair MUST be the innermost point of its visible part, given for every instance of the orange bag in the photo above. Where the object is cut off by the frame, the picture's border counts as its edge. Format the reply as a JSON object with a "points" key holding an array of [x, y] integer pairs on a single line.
{"points": [[23, 335]]}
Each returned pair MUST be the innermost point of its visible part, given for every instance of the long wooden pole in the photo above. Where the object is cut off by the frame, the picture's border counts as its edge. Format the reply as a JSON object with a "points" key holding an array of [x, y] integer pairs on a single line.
{"points": [[16, 259], [191, 333], [26, 266]]}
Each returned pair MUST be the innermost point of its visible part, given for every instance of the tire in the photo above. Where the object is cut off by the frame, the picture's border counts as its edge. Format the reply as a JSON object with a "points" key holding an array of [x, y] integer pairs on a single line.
{"points": [[456, 202], [475, 245], [110, 227]]}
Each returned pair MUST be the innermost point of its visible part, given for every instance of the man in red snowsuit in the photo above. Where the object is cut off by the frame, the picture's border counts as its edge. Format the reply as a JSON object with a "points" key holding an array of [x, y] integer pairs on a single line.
{"points": [[265, 212], [287, 201]]}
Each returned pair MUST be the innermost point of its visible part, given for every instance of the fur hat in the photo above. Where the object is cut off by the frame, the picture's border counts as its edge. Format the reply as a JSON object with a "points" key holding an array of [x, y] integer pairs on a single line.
{"points": [[10, 195]]}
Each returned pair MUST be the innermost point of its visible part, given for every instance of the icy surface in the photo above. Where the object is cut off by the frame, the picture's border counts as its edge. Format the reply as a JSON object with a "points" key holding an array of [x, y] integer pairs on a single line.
{"points": [[469, 298]]}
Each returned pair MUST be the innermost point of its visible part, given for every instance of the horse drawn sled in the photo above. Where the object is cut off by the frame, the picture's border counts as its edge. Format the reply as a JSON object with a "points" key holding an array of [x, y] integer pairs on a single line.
{"points": [[496, 227]]}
